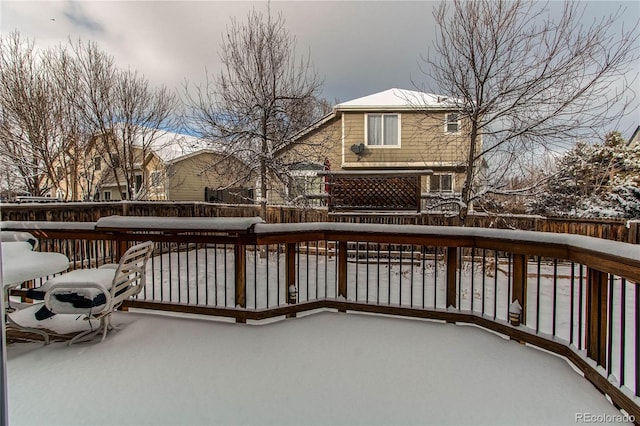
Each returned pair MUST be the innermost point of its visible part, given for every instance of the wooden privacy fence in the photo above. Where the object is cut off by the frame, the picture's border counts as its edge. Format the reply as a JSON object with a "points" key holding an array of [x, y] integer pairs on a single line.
{"points": [[634, 231], [580, 296], [611, 229]]}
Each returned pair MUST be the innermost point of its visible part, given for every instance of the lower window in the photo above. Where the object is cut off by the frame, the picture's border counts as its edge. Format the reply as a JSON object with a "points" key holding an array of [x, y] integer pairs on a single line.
{"points": [[441, 183]]}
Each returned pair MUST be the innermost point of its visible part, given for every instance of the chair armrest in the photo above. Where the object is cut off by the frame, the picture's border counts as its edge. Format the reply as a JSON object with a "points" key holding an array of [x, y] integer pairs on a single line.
{"points": [[109, 266], [87, 290]]}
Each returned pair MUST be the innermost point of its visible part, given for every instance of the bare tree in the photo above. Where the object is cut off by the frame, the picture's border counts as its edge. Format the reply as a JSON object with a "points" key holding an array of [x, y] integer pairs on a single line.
{"points": [[122, 112], [263, 96], [64, 109], [31, 112], [525, 81]]}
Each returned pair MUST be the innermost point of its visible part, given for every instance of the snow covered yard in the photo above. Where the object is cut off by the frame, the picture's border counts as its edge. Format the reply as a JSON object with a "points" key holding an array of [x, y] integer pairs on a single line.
{"points": [[326, 368]]}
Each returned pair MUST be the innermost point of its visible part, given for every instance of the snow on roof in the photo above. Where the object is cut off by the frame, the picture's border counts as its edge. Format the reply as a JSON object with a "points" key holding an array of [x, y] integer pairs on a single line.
{"points": [[396, 99], [167, 145], [392, 99], [170, 146]]}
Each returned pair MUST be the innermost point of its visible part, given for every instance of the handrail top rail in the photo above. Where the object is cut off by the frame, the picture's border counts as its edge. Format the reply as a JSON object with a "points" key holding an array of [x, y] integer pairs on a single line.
{"points": [[608, 256], [26, 225], [616, 248], [183, 224], [257, 226], [594, 251]]}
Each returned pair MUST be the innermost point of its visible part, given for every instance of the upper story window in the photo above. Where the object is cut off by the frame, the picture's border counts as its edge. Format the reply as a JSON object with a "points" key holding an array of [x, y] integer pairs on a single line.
{"points": [[441, 183], [452, 124], [382, 130], [97, 163], [156, 178], [115, 159], [138, 183]]}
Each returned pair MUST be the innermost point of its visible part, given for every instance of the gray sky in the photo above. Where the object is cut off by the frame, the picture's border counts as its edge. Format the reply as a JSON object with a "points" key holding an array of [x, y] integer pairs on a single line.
{"points": [[359, 47]]}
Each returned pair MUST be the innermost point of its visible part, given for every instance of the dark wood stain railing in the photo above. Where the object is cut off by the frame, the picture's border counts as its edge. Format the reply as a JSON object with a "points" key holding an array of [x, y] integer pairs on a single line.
{"points": [[611, 229], [600, 265]]}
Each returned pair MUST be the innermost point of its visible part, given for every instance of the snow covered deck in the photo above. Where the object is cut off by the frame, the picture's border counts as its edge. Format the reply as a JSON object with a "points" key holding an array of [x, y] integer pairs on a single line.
{"points": [[326, 368], [580, 298]]}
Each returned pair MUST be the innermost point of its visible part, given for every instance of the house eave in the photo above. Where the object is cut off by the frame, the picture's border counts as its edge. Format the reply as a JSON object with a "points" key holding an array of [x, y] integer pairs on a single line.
{"points": [[393, 108]]}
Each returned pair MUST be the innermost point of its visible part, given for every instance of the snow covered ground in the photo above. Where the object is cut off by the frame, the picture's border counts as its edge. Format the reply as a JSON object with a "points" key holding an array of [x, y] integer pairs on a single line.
{"points": [[325, 368], [206, 277]]}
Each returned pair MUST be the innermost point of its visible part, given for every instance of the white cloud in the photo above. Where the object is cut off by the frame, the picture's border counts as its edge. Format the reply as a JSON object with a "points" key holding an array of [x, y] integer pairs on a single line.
{"points": [[360, 47]]}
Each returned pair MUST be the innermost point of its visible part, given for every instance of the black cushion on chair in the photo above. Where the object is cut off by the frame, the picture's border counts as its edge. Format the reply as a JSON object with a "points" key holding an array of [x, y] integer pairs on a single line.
{"points": [[43, 313], [78, 301], [35, 294], [75, 300]]}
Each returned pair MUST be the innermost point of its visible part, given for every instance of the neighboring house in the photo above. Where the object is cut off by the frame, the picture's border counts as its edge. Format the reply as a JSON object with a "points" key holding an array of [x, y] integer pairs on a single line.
{"points": [[208, 175], [392, 130], [172, 167]]}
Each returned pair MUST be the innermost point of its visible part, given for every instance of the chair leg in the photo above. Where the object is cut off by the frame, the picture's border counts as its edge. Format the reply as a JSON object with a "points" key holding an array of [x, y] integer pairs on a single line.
{"points": [[106, 325], [16, 326]]}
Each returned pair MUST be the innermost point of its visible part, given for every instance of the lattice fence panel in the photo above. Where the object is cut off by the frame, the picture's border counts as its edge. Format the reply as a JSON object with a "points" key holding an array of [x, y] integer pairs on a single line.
{"points": [[374, 193]]}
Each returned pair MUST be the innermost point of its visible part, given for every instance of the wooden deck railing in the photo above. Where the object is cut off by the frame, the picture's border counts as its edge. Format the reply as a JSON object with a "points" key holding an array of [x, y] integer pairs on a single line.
{"points": [[580, 296], [610, 229]]}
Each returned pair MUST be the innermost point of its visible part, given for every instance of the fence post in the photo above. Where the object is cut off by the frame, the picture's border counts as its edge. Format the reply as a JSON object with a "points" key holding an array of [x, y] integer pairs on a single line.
{"points": [[122, 248], [520, 284], [342, 269], [634, 231], [240, 259], [452, 267], [596, 316]]}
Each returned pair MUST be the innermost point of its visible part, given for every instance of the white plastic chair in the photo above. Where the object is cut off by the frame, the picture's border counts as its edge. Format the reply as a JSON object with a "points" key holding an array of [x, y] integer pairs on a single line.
{"points": [[96, 293]]}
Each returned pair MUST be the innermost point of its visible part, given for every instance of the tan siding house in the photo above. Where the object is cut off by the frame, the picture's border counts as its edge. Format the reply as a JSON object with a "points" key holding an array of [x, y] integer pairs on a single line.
{"points": [[207, 175], [393, 130], [177, 167], [319, 149]]}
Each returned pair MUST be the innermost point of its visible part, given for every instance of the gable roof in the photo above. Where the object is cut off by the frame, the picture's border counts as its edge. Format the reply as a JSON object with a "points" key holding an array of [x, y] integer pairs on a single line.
{"points": [[396, 100], [388, 100], [170, 146]]}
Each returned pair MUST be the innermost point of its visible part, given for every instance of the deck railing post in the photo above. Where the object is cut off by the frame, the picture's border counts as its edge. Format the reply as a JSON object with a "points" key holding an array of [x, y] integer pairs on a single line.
{"points": [[596, 316], [122, 248], [520, 284], [452, 269], [342, 269], [240, 260], [290, 271]]}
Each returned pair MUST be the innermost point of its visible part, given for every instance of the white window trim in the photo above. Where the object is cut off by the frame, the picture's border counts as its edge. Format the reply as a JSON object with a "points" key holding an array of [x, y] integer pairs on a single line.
{"points": [[446, 123], [366, 131]]}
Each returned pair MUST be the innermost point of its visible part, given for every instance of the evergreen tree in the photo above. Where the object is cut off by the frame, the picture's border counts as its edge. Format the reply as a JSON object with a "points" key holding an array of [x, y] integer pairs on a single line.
{"points": [[593, 181]]}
